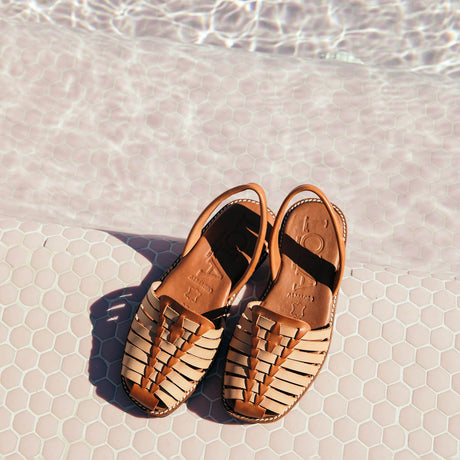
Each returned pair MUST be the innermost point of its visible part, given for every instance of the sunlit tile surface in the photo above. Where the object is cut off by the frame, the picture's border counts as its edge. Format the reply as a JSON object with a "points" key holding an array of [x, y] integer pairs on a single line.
{"points": [[389, 386], [390, 33]]}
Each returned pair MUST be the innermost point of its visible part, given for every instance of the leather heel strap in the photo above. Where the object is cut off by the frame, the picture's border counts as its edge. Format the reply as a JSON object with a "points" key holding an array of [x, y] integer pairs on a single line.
{"points": [[196, 231], [275, 256]]}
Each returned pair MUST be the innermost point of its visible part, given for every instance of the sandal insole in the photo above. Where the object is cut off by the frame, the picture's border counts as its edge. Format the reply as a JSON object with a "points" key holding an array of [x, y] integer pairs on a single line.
{"points": [[203, 279], [309, 258]]}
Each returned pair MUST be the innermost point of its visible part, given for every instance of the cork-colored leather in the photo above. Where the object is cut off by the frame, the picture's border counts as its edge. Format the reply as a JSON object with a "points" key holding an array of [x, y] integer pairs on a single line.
{"points": [[281, 342], [178, 327], [168, 349]]}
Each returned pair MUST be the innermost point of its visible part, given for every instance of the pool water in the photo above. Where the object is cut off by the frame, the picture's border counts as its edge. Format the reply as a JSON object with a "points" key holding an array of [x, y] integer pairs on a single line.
{"points": [[417, 35]]}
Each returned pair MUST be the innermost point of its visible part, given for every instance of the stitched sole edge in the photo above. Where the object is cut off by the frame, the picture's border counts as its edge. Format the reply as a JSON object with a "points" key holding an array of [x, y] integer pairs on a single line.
{"points": [[331, 323], [163, 276]]}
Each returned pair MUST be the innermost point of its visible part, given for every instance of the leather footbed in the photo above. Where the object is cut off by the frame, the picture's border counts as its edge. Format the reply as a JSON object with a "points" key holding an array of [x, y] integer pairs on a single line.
{"points": [[203, 279], [264, 358], [174, 335], [309, 260]]}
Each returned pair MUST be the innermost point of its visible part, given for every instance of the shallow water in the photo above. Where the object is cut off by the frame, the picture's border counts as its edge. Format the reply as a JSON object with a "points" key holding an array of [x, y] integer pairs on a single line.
{"points": [[418, 35], [136, 134], [131, 126]]}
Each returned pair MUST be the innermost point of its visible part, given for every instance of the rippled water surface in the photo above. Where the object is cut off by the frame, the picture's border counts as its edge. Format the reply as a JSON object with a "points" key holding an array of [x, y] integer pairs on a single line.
{"points": [[420, 35], [134, 127]]}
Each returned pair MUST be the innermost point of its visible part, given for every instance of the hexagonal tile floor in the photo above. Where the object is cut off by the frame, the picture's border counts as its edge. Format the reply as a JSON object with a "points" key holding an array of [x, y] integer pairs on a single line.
{"points": [[360, 32], [389, 388], [142, 147]]}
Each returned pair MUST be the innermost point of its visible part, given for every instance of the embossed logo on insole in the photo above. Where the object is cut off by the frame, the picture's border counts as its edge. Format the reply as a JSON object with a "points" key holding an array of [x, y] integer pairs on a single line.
{"points": [[192, 294], [205, 278], [297, 310], [302, 283], [312, 240], [302, 279], [311, 222]]}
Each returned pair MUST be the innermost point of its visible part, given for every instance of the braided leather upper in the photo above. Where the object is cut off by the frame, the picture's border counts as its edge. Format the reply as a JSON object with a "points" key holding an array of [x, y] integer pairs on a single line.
{"points": [[271, 360], [168, 350]]}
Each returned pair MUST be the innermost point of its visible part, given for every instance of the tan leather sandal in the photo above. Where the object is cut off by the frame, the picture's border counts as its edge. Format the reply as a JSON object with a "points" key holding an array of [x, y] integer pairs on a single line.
{"points": [[281, 342], [178, 327]]}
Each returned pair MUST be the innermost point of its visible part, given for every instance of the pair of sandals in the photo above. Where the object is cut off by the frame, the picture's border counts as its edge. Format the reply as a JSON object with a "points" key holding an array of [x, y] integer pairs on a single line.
{"points": [[280, 342]]}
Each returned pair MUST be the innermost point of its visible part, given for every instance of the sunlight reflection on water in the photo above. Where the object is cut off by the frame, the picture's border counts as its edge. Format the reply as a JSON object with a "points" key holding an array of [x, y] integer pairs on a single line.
{"points": [[414, 35]]}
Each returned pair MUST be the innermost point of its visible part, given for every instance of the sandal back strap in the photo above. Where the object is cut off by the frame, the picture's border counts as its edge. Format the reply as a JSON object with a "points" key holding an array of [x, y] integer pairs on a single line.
{"points": [[275, 255], [197, 229]]}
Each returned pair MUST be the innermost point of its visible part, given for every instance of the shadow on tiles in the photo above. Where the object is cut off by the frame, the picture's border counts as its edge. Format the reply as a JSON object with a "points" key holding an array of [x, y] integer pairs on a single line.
{"points": [[111, 317]]}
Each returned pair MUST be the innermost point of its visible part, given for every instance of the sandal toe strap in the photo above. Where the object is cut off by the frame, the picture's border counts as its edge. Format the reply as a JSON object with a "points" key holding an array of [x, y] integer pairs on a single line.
{"points": [[272, 359], [168, 350]]}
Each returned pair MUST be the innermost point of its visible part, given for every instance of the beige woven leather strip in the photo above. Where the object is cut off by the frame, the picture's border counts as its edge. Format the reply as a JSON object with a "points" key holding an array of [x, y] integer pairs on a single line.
{"points": [[131, 375], [279, 396], [233, 393], [288, 387], [165, 398], [273, 406], [269, 381], [134, 365], [188, 372], [179, 380], [167, 352], [139, 342], [135, 352], [288, 376]]}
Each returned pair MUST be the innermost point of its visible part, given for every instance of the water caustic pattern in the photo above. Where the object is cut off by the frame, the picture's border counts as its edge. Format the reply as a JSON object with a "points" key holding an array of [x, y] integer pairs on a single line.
{"points": [[389, 388], [136, 135], [419, 35]]}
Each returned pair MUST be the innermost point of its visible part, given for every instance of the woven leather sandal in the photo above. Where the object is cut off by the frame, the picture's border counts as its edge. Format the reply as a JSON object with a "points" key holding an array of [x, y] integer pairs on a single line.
{"points": [[281, 342], [178, 327]]}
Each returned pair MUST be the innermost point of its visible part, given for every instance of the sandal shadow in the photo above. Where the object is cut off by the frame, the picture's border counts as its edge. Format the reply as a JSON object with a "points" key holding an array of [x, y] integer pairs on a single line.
{"points": [[111, 317]]}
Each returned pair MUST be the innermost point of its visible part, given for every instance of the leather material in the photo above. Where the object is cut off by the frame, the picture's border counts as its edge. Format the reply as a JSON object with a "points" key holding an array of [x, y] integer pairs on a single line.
{"points": [[146, 398], [167, 351], [195, 233], [275, 256], [172, 342], [206, 277], [270, 362], [310, 263], [281, 342], [248, 409]]}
